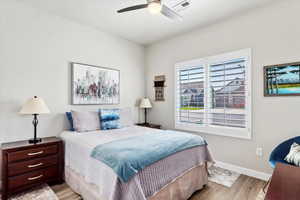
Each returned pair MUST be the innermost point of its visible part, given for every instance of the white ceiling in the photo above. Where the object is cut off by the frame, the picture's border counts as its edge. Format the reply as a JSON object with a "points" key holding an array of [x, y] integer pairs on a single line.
{"points": [[140, 26]]}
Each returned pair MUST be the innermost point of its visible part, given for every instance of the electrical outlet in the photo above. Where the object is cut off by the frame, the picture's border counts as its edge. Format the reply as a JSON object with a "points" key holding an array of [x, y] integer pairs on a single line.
{"points": [[259, 151]]}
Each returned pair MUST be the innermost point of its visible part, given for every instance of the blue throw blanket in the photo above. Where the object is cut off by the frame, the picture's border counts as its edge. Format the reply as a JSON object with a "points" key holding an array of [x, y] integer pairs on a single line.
{"points": [[128, 156]]}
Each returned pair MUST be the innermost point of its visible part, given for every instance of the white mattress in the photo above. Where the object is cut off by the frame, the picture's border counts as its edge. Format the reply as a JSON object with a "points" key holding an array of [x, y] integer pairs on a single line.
{"points": [[78, 147]]}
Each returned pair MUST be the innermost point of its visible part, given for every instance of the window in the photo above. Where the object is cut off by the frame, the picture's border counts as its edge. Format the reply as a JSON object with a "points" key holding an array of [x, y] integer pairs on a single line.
{"points": [[213, 95]]}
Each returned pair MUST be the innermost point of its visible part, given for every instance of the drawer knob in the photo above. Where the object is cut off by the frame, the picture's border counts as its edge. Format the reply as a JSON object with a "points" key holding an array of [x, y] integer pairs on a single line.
{"points": [[36, 165], [35, 153], [34, 178]]}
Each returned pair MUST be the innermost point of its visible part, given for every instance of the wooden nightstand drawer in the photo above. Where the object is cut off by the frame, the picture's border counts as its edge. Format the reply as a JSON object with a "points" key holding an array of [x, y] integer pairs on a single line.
{"points": [[34, 177], [26, 165], [30, 165], [31, 153]]}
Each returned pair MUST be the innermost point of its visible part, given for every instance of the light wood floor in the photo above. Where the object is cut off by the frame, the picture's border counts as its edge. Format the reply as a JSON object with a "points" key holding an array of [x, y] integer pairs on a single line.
{"points": [[245, 188]]}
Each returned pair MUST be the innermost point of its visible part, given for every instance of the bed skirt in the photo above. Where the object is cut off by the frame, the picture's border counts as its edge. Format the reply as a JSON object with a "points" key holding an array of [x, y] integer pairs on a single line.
{"points": [[179, 189]]}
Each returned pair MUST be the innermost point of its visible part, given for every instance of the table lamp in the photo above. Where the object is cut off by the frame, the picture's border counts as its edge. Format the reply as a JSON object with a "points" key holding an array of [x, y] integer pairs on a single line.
{"points": [[35, 106], [145, 103]]}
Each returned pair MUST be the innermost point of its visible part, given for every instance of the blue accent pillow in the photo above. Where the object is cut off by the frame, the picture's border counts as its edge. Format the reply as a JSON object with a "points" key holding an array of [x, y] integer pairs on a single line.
{"points": [[109, 114], [107, 125], [109, 118], [70, 119]]}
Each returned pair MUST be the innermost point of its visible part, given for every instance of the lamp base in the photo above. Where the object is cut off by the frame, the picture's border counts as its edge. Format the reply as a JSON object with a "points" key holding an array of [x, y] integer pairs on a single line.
{"points": [[35, 140]]}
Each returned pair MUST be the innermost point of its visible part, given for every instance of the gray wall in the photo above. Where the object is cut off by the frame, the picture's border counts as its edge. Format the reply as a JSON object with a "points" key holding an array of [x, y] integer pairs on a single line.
{"points": [[273, 34], [35, 51]]}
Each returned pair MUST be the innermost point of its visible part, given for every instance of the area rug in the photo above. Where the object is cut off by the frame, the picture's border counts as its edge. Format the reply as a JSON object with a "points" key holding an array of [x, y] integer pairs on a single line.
{"points": [[222, 176], [43, 192]]}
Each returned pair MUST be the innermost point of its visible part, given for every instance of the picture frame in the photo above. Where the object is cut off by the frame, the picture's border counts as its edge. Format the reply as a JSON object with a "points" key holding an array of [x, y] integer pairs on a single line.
{"points": [[282, 80], [94, 85], [159, 87]]}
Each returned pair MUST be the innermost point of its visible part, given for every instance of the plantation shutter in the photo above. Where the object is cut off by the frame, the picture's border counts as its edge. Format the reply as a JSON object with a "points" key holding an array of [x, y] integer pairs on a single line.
{"points": [[190, 90], [227, 94], [213, 94]]}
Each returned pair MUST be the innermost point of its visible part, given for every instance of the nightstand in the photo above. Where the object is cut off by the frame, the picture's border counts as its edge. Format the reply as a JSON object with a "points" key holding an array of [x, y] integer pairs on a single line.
{"points": [[156, 126], [27, 165]]}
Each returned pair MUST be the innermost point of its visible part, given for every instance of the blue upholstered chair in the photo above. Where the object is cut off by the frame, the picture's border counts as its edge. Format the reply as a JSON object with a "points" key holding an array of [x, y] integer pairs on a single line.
{"points": [[280, 152]]}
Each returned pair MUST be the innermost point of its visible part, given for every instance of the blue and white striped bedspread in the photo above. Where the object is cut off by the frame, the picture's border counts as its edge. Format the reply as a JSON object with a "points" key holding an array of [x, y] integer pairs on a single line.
{"points": [[129, 156]]}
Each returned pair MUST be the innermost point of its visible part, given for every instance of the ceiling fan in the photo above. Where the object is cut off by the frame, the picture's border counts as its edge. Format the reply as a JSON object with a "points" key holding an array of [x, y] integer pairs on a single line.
{"points": [[154, 7]]}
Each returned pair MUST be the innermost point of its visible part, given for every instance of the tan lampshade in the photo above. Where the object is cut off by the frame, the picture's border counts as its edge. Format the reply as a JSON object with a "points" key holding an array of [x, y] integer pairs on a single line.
{"points": [[145, 103], [35, 105]]}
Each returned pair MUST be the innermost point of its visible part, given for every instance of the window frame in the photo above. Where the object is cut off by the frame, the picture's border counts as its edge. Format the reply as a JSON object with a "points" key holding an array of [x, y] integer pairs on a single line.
{"points": [[244, 133]]}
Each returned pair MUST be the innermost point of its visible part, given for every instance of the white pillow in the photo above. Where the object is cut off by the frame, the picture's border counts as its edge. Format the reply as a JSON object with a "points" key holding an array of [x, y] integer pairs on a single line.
{"points": [[293, 156], [85, 121], [126, 118]]}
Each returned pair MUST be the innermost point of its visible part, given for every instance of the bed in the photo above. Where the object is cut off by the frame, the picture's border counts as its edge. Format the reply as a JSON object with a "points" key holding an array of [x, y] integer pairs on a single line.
{"points": [[176, 177]]}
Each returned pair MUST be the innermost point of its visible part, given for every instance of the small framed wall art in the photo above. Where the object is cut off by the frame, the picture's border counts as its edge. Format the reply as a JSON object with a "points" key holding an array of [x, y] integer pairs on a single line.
{"points": [[159, 86], [282, 80], [93, 85]]}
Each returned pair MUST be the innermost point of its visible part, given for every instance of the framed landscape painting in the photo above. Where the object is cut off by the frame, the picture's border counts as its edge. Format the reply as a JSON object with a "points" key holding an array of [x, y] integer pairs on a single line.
{"points": [[92, 85], [282, 80]]}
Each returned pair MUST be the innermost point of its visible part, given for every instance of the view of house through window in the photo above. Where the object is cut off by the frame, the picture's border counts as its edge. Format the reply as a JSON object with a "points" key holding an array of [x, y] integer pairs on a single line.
{"points": [[213, 93], [227, 93], [192, 95]]}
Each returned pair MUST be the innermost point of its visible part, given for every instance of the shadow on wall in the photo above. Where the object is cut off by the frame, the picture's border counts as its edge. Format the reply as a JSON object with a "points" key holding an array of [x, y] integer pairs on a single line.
{"points": [[140, 115], [15, 126], [9, 117]]}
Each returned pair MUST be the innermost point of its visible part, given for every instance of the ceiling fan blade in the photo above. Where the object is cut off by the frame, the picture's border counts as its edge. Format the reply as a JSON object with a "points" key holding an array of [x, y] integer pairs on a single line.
{"points": [[133, 8], [168, 12]]}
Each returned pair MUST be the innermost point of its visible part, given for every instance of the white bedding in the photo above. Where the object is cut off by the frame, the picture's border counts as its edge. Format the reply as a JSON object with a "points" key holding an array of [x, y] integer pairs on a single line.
{"points": [[78, 147]]}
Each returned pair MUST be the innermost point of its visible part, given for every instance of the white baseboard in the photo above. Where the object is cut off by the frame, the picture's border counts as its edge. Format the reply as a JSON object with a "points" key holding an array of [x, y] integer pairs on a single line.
{"points": [[245, 171]]}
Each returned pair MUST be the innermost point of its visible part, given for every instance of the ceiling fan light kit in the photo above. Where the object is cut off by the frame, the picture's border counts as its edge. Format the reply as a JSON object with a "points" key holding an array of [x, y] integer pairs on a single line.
{"points": [[154, 7], [157, 6]]}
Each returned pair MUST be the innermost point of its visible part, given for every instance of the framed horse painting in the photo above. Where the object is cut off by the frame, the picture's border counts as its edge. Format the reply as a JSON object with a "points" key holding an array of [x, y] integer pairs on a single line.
{"points": [[93, 85]]}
